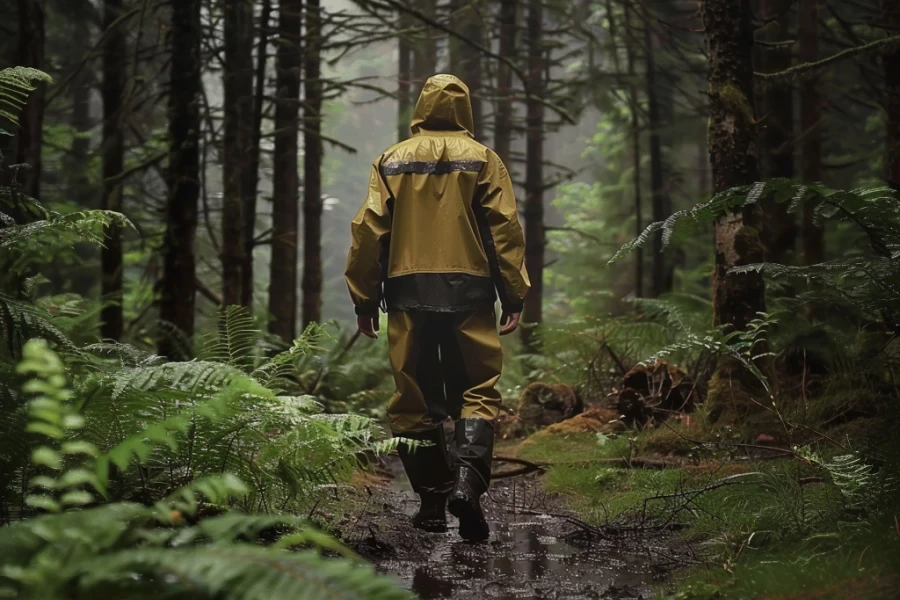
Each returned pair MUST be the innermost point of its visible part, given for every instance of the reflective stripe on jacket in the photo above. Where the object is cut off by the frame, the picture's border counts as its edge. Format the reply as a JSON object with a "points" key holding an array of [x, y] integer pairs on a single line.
{"points": [[439, 227]]}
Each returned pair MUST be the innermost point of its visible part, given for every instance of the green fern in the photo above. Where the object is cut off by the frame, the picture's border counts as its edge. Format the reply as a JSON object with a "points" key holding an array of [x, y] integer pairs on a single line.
{"points": [[131, 550], [21, 321], [16, 84]]}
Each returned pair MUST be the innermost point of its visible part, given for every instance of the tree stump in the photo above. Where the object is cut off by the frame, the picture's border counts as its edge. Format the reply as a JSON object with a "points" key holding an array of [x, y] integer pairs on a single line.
{"points": [[654, 392], [544, 404]]}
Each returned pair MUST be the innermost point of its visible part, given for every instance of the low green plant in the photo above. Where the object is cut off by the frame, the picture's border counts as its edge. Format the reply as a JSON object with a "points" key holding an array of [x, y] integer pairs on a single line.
{"points": [[188, 544]]}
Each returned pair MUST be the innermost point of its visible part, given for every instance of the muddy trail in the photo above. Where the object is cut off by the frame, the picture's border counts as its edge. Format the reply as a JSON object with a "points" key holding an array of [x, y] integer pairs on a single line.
{"points": [[536, 550]]}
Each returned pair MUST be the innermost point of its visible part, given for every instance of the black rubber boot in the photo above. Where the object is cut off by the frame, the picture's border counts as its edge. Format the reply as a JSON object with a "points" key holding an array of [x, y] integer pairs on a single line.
{"points": [[429, 473], [475, 446]]}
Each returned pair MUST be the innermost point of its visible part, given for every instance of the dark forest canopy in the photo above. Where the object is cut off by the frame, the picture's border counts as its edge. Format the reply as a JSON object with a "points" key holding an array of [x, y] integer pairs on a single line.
{"points": [[708, 182]]}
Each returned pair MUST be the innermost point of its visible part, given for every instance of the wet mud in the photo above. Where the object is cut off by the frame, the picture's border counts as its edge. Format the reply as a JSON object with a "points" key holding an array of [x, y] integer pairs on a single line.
{"points": [[535, 552]]}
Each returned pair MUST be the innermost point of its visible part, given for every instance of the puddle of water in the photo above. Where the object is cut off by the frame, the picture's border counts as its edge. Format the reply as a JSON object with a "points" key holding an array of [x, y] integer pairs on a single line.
{"points": [[525, 559]]}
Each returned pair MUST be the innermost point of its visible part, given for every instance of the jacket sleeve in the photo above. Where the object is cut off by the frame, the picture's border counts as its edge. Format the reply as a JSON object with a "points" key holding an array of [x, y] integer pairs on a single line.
{"points": [[370, 232], [503, 239]]}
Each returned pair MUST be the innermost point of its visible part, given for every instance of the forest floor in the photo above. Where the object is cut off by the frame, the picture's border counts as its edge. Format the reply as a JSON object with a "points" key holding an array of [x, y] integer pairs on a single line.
{"points": [[634, 516], [538, 549]]}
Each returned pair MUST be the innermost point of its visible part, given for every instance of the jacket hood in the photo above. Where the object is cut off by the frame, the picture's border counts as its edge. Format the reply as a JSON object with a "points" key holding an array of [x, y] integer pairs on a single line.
{"points": [[444, 105]]}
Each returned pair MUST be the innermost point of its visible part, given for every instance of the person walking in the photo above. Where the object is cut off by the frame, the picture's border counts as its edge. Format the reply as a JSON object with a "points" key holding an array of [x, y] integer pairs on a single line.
{"points": [[435, 244]]}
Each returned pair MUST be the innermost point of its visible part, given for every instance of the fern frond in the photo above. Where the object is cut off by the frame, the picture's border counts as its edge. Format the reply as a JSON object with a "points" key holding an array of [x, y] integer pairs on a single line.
{"points": [[235, 340], [21, 321], [16, 83], [241, 572]]}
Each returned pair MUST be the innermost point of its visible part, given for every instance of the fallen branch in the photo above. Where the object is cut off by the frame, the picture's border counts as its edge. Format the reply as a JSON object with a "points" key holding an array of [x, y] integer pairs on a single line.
{"points": [[526, 467]]}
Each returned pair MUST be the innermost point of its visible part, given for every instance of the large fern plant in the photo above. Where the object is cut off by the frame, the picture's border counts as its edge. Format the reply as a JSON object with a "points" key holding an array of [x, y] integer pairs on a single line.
{"points": [[80, 547], [865, 280]]}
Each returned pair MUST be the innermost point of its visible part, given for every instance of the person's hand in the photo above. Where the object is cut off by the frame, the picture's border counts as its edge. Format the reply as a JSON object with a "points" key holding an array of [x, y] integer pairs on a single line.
{"points": [[368, 326], [509, 322]]}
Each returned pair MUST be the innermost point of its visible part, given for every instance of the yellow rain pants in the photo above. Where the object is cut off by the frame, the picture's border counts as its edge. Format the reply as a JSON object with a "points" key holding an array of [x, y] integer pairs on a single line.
{"points": [[446, 364]]}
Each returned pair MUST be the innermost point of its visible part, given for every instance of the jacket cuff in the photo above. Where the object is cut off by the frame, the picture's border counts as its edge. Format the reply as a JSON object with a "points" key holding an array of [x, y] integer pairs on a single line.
{"points": [[513, 307], [368, 309]]}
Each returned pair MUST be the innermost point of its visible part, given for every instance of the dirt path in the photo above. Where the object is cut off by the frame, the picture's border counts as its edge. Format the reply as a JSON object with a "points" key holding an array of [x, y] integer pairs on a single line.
{"points": [[531, 555]]}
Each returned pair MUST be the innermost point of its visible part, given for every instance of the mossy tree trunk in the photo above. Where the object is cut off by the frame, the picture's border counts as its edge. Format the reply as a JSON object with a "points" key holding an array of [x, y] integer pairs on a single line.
{"points": [[732, 149], [178, 285], [892, 84]]}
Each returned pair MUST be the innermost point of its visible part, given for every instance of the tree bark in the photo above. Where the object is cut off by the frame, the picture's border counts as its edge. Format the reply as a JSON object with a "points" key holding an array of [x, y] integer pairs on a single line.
{"points": [[660, 276], [535, 242], [892, 88], [312, 169], [404, 77], [79, 161], [811, 130], [465, 61], [237, 141], [736, 298], [83, 192], [178, 287], [634, 108], [251, 178], [285, 182], [503, 121], [30, 137], [780, 226], [425, 49], [114, 65]]}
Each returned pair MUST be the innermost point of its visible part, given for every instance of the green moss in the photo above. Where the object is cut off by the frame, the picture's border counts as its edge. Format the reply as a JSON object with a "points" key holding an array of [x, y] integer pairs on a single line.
{"points": [[736, 101]]}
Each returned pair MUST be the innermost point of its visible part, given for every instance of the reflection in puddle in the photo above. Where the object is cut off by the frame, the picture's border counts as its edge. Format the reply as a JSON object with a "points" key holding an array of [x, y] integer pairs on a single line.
{"points": [[522, 561], [525, 559]]}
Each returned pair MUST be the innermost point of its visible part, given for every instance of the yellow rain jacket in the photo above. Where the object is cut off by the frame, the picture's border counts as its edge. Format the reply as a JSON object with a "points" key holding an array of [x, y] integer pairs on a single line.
{"points": [[439, 230]]}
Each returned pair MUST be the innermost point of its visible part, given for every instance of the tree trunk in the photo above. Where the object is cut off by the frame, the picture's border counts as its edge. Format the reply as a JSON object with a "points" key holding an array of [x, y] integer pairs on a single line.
{"points": [[79, 160], [892, 84], [404, 76], [312, 169], [811, 130], [31, 54], [780, 226], [177, 289], [425, 49], [114, 63], [634, 108], [285, 182], [78, 166], [465, 61], [237, 140], [736, 298], [251, 178], [534, 177], [660, 278], [503, 121]]}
